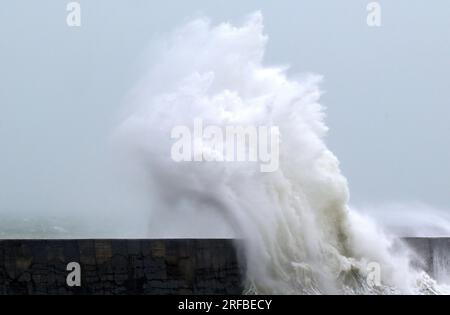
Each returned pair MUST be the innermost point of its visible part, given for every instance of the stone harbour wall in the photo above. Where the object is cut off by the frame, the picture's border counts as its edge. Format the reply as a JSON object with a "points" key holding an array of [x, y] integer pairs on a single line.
{"points": [[115, 266], [433, 256]]}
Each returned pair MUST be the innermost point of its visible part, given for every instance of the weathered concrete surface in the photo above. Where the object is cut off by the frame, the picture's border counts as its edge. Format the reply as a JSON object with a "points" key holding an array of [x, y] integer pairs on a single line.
{"points": [[120, 266], [433, 256]]}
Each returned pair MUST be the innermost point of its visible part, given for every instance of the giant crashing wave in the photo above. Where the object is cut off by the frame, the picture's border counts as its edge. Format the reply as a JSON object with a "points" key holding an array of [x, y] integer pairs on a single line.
{"points": [[299, 236]]}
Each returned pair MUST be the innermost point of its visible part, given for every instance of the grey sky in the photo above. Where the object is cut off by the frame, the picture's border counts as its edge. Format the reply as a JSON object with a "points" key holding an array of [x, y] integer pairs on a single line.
{"points": [[387, 91]]}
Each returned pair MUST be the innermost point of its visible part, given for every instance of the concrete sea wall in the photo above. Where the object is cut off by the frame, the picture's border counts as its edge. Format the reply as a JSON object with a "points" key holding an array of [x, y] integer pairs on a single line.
{"points": [[150, 266], [433, 256], [116, 266]]}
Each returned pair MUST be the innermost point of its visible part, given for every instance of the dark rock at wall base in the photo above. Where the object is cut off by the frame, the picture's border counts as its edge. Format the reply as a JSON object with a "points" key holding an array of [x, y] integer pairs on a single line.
{"points": [[114, 266]]}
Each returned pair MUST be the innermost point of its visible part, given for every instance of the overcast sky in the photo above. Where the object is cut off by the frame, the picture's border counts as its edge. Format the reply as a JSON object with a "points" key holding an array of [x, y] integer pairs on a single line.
{"points": [[387, 90]]}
